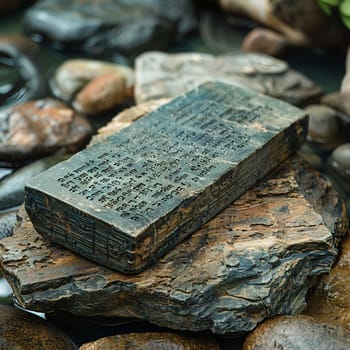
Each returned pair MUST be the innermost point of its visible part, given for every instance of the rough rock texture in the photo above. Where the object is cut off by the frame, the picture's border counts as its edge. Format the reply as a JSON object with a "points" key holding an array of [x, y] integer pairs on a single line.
{"points": [[102, 93], [95, 26], [126, 118], [329, 301], [297, 333], [72, 75], [7, 224], [126, 202], [256, 259], [161, 75], [21, 330], [38, 128], [152, 341], [21, 76]]}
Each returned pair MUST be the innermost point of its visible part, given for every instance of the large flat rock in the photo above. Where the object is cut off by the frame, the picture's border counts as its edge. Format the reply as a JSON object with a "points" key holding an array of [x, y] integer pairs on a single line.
{"points": [[257, 258], [128, 200], [162, 75]]}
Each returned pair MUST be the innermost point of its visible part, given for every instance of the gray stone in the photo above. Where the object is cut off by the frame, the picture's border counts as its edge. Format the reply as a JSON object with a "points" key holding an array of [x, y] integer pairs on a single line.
{"points": [[112, 25], [39, 128], [12, 187], [21, 76], [256, 259], [297, 333], [7, 224], [161, 75], [128, 200]]}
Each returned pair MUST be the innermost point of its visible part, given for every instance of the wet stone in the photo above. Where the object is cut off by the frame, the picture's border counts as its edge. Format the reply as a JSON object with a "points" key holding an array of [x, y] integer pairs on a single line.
{"points": [[21, 331], [258, 258], [161, 75], [153, 341], [95, 26], [296, 333], [325, 129], [12, 187], [126, 201], [73, 75], [21, 78], [39, 128]]}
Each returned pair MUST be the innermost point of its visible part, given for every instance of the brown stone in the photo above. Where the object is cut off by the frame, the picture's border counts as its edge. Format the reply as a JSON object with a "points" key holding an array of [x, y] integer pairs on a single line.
{"points": [[38, 128], [329, 301], [102, 93], [296, 333], [72, 75], [161, 75], [153, 341], [21, 330], [265, 41], [256, 259]]}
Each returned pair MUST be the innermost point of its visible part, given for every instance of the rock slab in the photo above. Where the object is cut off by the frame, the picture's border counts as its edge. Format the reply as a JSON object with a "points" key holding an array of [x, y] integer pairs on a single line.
{"points": [[128, 200], [256, 259], [162, 75]]}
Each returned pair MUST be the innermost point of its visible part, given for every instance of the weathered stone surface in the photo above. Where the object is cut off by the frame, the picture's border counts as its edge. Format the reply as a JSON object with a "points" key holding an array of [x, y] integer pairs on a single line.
{"points": [[95, 26], [256, 259], [325, 129], [12, 187], [329, 301], [101, 94], [126, 118], [297, 333], [38, 128], [127, 201], [72, 75], [21, 76], [7, 224], [21, 330], [161, 75], [152, 341]]}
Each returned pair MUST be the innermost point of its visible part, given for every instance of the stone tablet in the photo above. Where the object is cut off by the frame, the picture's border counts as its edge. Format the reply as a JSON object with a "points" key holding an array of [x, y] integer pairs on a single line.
{"points": [[128, 200]]}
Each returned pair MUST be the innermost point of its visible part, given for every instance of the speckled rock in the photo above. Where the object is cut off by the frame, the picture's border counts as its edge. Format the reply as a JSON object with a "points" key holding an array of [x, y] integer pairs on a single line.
{"points": [[153, 341], [95, 26], [20, 330], [72, 75], [325, 129], [40, 128], [12, 187], [21, 76], [297, 333], [125, 118], [7, 224], [161, 75], [102, 93]]}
